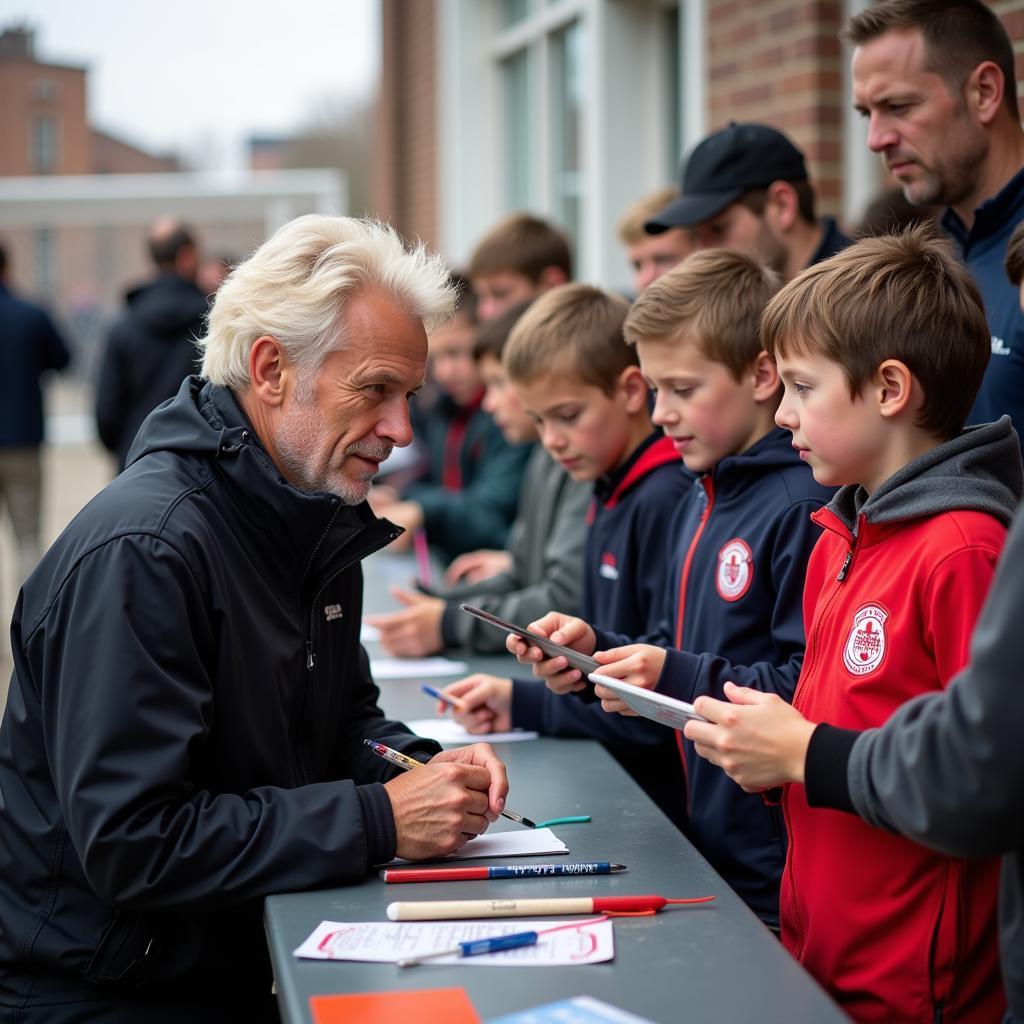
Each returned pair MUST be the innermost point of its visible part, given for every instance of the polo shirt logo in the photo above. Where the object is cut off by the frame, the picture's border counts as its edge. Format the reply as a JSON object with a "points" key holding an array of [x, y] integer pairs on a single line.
{"points": [[332, 612], [735, 569], [999, 347], [865, 646], [609, 569]]}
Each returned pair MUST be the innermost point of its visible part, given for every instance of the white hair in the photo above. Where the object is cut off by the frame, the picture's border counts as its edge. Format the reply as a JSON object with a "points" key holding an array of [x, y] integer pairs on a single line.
{"points": [[294, 286]]}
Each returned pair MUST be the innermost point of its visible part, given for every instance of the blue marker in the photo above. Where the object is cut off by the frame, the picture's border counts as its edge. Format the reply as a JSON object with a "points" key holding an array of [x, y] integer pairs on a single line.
{"points": [[433, 691], [478, 946]]}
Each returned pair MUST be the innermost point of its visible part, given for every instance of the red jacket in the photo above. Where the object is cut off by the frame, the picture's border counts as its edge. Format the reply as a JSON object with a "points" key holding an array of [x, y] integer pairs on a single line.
{"points": [[892, 930]]}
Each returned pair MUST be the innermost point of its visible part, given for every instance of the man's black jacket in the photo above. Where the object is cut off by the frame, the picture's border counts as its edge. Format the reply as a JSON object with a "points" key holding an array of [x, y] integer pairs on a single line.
{"points": [[188, 690]]}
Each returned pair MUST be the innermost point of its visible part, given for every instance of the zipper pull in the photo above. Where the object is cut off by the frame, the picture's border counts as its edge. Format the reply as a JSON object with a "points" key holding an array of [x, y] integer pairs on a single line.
{"points": [[310, 660], [846, 566]]}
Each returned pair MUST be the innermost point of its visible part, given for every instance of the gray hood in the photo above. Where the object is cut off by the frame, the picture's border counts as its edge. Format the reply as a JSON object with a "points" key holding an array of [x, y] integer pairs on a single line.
{"points": [[978, 470]]}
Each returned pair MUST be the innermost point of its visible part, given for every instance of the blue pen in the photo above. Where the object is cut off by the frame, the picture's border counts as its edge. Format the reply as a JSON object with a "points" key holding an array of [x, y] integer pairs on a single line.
{"points": [[433, 691], [476, 947]]}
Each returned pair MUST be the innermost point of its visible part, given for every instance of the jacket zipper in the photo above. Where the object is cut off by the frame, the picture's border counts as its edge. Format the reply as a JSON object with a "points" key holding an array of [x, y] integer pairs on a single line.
{"points": [[367, 549], [843, 575], [684, 576]]}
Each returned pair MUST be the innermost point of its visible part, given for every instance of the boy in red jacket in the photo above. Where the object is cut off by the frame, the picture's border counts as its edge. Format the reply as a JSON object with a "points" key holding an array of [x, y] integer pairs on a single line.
{"points": [[882, 349]]}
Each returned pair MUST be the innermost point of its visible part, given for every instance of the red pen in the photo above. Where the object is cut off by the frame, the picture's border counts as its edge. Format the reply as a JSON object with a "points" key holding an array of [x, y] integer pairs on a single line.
{"points": [[446, 910], [511, 871]]}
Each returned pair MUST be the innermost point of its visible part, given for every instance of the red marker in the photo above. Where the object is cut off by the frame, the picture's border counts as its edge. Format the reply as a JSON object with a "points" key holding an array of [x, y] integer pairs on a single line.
{"points": [[447, 910]]}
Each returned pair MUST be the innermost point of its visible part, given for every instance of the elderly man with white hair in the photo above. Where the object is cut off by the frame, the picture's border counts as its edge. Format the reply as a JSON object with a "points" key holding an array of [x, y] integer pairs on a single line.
{"points": [[184, 731]]}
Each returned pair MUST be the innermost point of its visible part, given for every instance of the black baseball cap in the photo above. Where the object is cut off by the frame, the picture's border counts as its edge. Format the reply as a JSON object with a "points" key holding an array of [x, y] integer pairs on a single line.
{"points": [[724, 166]]}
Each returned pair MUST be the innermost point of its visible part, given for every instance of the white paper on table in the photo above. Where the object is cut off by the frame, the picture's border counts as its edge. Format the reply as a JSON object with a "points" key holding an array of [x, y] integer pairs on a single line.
{"points": [[526, 842], [447, 730], [368, 634], [388, 942], [415, 668]]}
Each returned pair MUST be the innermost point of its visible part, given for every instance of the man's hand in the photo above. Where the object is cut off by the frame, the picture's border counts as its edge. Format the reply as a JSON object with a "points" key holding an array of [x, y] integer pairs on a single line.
{"points": [[477, 565], [438, 808], [758, 739], [639, 664], [486, 703], [566, 630], [413, 632]]}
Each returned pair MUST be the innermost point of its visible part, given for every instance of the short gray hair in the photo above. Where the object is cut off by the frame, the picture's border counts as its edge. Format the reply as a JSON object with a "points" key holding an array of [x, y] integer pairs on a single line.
{"points": [[294, 286]]}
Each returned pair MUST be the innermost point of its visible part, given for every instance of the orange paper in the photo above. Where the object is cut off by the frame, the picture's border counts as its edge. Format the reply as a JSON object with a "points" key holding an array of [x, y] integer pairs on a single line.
{"points": [[425, 1006]]}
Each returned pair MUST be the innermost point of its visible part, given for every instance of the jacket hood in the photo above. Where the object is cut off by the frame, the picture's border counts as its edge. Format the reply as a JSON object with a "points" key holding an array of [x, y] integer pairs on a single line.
{"points": [[979, 470], [168, 306]]}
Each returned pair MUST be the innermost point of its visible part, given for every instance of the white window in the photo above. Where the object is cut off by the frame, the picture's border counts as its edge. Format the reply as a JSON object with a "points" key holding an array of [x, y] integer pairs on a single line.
{"points": [[570, 109], [43, 144]]}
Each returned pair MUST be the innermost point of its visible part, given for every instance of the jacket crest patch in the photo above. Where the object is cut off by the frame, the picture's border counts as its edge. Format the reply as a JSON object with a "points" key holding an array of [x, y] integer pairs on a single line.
{"points": [[735, 569], [609, 569], [865, 646], [332, 612]]}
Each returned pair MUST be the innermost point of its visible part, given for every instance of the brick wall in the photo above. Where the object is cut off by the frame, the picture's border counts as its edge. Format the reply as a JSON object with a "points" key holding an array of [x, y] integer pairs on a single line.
{"points": [[1012, 13], [779, 62], [405, 177]]}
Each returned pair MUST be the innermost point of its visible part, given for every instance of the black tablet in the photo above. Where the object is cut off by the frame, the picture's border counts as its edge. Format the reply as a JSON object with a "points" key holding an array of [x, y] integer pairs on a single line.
{"points": [[581, 661]]}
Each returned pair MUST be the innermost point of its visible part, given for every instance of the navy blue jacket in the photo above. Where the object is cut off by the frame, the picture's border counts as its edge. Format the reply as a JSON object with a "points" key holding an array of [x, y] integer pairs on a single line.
{"points": [[623, 589], [479, 512], [184, 729], [29, 346], [983, 249], [741, 544]]}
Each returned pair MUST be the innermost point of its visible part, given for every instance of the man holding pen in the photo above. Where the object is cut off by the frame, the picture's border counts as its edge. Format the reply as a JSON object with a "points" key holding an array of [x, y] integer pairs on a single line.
{"points": [[185, 728]]}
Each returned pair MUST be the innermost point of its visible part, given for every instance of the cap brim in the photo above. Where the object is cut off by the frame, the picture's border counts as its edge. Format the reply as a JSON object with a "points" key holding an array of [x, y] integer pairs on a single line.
{"points": [[688, 210]]}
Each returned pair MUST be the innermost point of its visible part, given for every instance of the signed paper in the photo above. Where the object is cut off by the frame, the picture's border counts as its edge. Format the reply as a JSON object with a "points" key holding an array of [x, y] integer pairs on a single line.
{"points": [[447, 730], [388, 942], [525, 842]]}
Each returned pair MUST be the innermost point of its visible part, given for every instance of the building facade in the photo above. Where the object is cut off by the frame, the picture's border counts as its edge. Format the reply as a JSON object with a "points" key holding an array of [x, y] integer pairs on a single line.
{"points": [[575, 108]]}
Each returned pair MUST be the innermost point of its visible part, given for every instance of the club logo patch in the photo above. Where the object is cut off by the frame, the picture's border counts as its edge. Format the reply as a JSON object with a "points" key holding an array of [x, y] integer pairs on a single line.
{"points": [[735, 569], [332, 612], [609, 569], [865, 647]]}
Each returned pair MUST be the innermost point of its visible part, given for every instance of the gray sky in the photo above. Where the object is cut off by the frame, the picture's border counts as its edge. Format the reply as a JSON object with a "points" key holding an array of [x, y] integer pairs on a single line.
{"points": [[199, 76]]}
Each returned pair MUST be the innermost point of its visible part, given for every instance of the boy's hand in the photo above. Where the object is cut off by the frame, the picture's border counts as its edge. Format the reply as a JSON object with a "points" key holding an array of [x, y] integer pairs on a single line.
{"points": [[566, 630], [486, 703], [639, 664], [477, 565], [758, 739], [413, 632]]}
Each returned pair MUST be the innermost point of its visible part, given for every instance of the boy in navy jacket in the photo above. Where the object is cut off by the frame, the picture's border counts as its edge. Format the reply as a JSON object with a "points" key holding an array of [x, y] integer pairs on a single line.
{"points": [[739, 547], [580, 382]]}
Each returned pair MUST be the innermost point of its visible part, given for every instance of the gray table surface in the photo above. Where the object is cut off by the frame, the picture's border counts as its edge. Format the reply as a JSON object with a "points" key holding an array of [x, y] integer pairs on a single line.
{"points": [[714, 963]]}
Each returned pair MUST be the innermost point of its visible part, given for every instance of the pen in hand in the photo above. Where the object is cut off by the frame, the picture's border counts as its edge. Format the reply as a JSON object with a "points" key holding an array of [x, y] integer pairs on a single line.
{"points": [[433, 691], [405, 762]]}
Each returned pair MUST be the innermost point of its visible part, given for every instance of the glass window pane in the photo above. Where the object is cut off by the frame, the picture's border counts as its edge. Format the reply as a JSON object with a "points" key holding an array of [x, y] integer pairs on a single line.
{"points": [[516, 88], [513, 11], [567, 123], [673, 88]]}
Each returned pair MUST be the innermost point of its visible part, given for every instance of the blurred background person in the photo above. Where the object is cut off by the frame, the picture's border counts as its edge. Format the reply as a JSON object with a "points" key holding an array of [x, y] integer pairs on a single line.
{"points": [[152, 348], [651, 255], [29, 347]]}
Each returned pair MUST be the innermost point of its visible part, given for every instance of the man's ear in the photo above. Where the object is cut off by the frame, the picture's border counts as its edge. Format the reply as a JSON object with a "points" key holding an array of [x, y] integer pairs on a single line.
{"points": [[633, 389], [893, 386], [783, 207], [269, 371], [984, 91]]}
